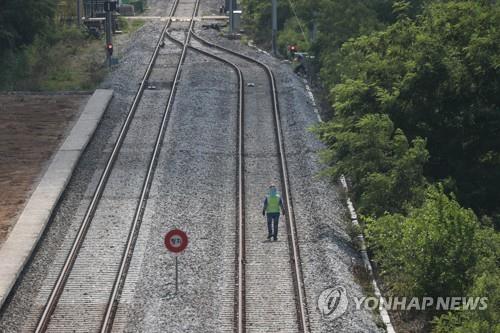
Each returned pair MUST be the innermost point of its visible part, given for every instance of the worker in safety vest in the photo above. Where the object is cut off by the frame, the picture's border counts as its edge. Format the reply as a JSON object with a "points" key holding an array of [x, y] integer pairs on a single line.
{"points": [[272, 207], [299, 64]]}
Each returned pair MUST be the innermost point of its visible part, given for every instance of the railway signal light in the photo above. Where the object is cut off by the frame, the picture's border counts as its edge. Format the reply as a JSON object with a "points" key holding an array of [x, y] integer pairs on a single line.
{"points": [[109, 48]]}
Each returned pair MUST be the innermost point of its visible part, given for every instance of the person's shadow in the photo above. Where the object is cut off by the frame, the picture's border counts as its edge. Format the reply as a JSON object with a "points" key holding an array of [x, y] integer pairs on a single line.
{"points": [[270, 241]]}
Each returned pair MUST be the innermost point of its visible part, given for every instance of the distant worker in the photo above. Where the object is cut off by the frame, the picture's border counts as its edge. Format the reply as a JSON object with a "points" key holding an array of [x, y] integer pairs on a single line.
{"points": [[272, 207], [300, 64]]}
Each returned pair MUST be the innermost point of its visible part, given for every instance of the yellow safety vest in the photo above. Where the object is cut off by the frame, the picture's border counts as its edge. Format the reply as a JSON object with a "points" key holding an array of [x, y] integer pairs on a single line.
{"points": [[273, 204]]}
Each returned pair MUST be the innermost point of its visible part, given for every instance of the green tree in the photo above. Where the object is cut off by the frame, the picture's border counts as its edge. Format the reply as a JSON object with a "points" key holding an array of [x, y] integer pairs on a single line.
{"points": [[385, 169], [437, 77], [430, 252], [257, 18], [22, 20], [486, 283]]}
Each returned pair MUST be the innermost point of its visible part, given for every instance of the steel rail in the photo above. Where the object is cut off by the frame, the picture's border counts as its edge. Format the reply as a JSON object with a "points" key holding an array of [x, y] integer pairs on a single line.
{"points": [[296, 266], [89, 214], [113, 301], [240, 250]]}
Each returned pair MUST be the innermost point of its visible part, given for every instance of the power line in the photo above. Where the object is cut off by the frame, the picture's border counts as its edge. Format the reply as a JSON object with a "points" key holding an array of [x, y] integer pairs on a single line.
{"points": [[299, 22]]}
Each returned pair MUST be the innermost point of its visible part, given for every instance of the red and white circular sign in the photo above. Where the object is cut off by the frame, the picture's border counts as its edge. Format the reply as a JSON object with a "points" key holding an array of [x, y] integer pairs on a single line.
{"points": [[176, 241]]}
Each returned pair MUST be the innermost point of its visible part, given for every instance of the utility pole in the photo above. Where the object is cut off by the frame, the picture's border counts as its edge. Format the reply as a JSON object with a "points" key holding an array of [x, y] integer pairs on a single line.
{"points": [[78, 14], [275, 26], [109, 7], [231, 18], [109, 37]]}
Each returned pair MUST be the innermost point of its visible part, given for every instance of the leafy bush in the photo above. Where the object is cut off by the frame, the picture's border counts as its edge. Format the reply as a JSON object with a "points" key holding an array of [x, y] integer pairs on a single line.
{"points": [[486, 284], [292, 32], [22, 20], [386, 170], [54, 62], [429, 252], [257, 18], [437, 77]]}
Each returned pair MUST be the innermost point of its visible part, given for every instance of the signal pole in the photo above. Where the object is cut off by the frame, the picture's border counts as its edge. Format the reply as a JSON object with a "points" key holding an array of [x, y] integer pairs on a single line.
{"points": [[231, 18], [109, 7], [275, 26], [109, 37]]}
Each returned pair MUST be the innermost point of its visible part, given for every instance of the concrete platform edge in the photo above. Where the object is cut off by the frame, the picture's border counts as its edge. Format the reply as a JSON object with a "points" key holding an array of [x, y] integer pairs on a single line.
{"points": [[22, 240]]}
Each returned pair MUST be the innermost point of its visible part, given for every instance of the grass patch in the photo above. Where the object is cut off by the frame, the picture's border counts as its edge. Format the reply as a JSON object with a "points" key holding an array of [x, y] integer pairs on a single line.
{"points": [[67, 59], [363, 278]]}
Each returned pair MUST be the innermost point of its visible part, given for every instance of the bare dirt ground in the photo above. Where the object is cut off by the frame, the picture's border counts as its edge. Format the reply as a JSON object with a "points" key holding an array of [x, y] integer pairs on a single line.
{"points": [[31, 129]]}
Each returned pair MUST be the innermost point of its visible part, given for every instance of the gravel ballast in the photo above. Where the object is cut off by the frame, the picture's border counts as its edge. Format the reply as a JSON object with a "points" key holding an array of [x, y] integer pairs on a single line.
{"points": [[193, 190], [23, 306], [328, 257]]}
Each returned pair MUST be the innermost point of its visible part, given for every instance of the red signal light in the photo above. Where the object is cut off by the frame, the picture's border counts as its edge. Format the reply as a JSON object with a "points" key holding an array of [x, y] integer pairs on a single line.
{"points": [[109, 48]]}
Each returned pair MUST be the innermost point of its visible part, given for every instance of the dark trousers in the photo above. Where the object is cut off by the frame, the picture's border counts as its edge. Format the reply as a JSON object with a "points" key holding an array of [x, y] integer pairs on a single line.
{"points": [[272, 224]]}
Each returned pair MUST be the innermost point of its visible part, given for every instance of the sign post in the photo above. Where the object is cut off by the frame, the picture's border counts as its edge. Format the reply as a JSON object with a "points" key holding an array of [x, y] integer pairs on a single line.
{"points": [[176, 241], [176, 275]]}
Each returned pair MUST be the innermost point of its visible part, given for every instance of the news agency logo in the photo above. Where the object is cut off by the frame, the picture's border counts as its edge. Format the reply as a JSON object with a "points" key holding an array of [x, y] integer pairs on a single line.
{"points": [[422, 303], [333, 303]]}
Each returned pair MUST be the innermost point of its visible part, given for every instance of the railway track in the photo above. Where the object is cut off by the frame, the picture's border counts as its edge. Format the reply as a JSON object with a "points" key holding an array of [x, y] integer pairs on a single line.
{"points": [[249, 298], [269, 290], [94, 268]]}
